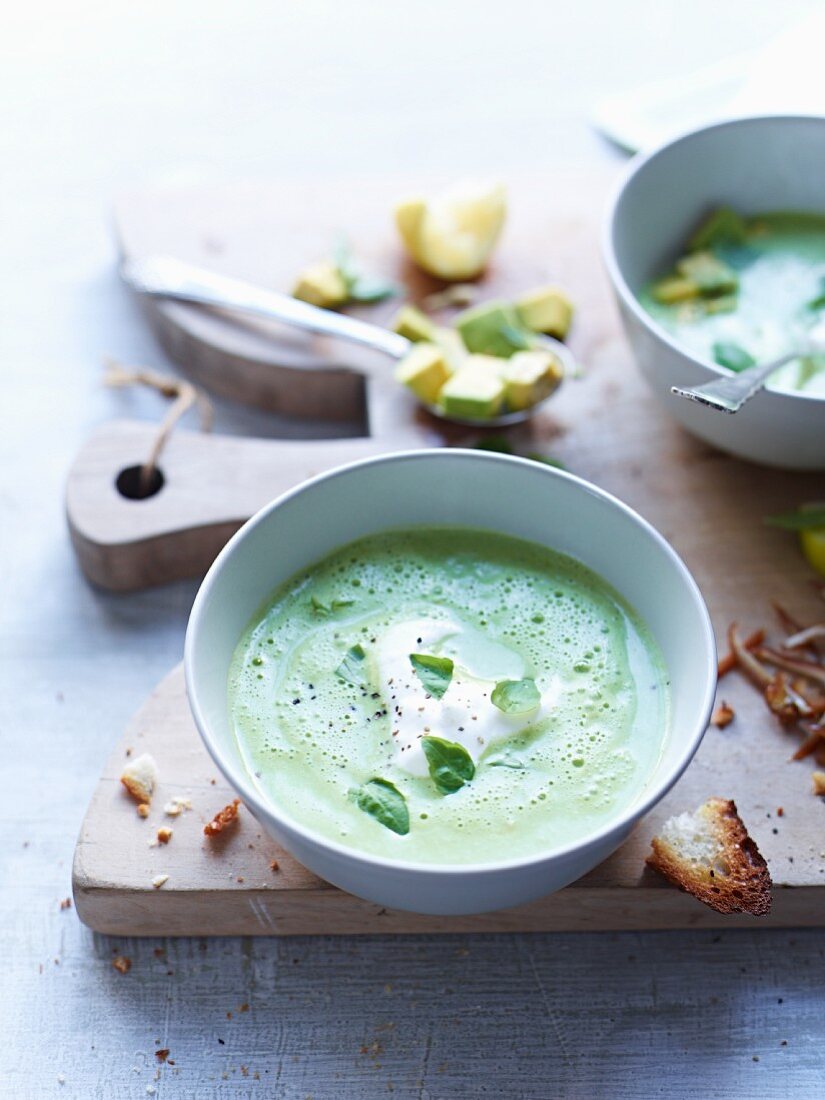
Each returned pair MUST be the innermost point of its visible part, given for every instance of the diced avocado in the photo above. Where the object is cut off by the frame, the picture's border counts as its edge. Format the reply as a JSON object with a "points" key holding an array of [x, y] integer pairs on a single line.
{"points": [[723, 226], [710, 274], [529, 377], [452, 345], [322, 285], [414, 324], [492, 329], [547, 309], [476, 391], [424, 370], [673, 289]]}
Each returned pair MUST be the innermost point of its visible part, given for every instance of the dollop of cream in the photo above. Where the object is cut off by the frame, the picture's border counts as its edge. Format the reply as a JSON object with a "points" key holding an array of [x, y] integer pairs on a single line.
{"points": [[465, 713]]}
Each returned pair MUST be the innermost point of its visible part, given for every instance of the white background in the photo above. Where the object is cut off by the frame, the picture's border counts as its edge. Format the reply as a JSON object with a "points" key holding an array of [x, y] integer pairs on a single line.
{"points": [[95, 97]]}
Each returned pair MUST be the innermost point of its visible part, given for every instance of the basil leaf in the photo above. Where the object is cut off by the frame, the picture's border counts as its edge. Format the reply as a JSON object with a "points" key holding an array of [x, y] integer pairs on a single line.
{"points": [[370, 288], [516, 696], [534, 456], [360, 287], [732, 356], [816, 304], [451, 766], [435, 673], [353, 667], [382, 800], [497, 443], [806, 519], [339, 605], [318, 606]]}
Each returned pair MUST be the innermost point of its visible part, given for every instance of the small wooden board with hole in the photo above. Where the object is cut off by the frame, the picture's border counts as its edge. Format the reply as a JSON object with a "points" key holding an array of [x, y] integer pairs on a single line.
{"points": [[607, 429]]}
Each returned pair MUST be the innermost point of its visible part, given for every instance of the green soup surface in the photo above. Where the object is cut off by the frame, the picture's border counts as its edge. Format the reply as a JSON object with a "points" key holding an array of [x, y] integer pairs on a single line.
{"points": [[778, 268], [448, 696]]}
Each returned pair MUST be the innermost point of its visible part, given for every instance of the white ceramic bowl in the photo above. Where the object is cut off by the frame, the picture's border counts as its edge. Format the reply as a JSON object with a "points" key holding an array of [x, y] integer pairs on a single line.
{"points": [[473, 488], [754, 165]]}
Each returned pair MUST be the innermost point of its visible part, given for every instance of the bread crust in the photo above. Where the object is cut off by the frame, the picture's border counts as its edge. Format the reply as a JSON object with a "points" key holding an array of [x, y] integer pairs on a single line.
{"points": [[744, 883]]}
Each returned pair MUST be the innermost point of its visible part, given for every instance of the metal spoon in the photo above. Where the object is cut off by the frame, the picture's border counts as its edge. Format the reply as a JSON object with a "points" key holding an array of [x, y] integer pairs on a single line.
{"points": [[167, 277], [730, 393]]}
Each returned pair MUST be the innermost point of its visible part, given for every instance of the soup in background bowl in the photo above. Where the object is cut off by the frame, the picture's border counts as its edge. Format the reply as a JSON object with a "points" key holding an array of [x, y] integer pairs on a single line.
{"points": [[436, 580], [752, 166]]}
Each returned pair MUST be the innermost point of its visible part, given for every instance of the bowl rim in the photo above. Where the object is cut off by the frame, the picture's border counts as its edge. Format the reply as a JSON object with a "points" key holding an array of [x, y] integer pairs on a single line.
{"points": [[636, 166], [242, 785]]}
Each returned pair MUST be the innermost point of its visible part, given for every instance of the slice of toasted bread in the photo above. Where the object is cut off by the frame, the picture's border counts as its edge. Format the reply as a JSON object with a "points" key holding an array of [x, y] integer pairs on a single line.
{"points": [[709, 854], [139, 777]]}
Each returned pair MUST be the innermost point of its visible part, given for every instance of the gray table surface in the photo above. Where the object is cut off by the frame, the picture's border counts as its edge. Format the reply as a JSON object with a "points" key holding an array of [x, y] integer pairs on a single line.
{"points": [[95, 97]]}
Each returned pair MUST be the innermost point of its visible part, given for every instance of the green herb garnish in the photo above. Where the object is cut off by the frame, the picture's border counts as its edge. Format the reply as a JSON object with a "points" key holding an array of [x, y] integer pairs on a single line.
{"points": [[435, 673], [546, 460], [353, 668], [382, 800], [805, 519], [451, 766], [732, 356], [360, 287], [516, 696], [722, 226], [499, 444]]}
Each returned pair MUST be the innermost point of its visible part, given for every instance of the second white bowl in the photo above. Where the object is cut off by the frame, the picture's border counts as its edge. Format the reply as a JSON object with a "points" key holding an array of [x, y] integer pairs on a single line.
{"points": [[754, 165]]}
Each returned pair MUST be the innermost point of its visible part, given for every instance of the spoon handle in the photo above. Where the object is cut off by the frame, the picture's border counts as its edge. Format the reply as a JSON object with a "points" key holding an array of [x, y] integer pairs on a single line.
{"points": [[729, 394], [166, 277]]}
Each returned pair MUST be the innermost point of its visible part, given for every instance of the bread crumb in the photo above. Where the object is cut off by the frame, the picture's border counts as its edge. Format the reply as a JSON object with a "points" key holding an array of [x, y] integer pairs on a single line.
{"points": [[274, 865], [143, 809], [159, 880], [177, 805], [61, 1080], [819, 782], [162, 1054], [164, 834], [66, 903], [222, 819], [122, 964], [723, 715], [140, 776]]}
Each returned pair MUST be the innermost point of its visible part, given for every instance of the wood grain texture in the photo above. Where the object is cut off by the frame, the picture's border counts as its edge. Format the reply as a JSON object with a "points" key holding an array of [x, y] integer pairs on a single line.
{"points": [[231, 888]]}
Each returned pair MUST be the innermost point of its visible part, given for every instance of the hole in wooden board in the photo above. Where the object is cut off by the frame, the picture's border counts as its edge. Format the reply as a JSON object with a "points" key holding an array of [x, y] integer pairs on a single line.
{"points": [[130, 484]]}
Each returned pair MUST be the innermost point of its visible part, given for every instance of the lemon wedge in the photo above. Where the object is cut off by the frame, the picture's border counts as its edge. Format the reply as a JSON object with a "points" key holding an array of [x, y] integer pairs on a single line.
{"points": [[451, 235], [812, 542]]}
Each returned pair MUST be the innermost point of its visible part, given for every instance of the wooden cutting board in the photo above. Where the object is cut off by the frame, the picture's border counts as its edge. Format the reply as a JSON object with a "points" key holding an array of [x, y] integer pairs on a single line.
{"points": [[607, 429]]}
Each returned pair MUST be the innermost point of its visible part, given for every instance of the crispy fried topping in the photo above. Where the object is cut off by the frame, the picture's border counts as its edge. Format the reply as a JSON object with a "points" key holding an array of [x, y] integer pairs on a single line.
{"points": [[223, 819], [723, 715]]}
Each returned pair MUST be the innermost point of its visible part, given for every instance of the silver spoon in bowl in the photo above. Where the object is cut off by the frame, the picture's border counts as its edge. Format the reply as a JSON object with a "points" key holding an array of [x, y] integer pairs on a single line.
{"points": [[167, 277], [730, 393]]}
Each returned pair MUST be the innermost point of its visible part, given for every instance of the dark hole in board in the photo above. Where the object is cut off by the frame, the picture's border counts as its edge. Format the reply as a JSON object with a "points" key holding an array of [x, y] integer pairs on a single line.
{"points": [[128, 483]]}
